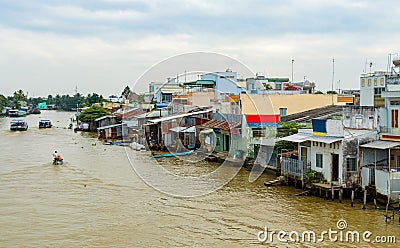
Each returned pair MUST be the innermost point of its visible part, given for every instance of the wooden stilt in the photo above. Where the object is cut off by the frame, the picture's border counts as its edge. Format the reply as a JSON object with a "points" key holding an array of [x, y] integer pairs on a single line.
{"points": [[326, 195], [387, 208], [340, 195], [352, 197], [365, 199], [376, 206], [333, 193]]}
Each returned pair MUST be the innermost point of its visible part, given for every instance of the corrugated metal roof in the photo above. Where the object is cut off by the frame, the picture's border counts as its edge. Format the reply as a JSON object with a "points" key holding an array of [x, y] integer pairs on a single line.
{"points": [[168, 118], [324, 139], [110, 126], [381, 144], [224, 125], [297, 138], [172, 90], [305, 135], [104, 117]]}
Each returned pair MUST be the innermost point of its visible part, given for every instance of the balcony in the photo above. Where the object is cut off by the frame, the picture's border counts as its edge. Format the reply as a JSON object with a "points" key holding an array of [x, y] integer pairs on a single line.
{"points": [[390, 133], [294, 167]]}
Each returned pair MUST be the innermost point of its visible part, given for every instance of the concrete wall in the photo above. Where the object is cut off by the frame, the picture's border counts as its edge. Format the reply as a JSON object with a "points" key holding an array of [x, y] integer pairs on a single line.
{"points": [[270, 104], [360, 118], [225, 82], [326, 151], [351, 149], [200, 98]]}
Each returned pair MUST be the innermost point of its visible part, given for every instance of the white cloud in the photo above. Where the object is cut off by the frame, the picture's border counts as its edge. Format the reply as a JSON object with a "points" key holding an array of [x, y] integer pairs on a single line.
{"points": [[102, 45]]}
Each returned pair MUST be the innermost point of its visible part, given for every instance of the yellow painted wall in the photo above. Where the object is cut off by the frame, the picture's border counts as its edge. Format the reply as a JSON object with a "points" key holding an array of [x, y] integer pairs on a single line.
{"points": [[270, 104]]}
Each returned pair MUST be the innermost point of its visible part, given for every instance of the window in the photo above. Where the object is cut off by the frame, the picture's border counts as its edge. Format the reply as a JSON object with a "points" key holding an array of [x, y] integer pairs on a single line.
{"points": [[218, 143], [282, 111], [369, 82], [258, 133], [318, 160], [351, 164], [375, 81], [382, 82], [378, 91], [362, 82]]}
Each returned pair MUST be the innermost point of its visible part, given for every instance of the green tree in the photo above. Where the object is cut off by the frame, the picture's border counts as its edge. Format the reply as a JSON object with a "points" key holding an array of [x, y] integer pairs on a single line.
{"points": [[3, 102], [126, 92], [91, 114], [318, 92], [18, 96], [331, 92]]}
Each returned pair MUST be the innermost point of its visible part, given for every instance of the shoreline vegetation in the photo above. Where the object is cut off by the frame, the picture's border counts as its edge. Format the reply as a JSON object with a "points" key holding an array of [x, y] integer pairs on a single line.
{"points": [[65, 102]]}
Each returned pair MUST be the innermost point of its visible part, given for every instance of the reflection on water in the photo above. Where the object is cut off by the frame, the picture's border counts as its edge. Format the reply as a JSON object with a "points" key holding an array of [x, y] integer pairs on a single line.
{"points": [[95, 199]]}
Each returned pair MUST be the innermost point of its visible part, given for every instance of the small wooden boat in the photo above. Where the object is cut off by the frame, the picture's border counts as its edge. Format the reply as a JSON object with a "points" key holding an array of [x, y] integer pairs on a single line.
{"points": [[58, 162], [18, 125], [35, 111], [45, 124], [172, 154]]}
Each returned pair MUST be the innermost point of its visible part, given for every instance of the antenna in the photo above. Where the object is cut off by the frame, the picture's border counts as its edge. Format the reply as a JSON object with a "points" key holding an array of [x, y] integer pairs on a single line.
{"points": [[333, 76]]}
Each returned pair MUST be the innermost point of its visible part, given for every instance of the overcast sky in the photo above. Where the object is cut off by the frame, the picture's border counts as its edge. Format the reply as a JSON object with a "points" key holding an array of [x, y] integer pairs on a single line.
{"points": [[50, 46]]}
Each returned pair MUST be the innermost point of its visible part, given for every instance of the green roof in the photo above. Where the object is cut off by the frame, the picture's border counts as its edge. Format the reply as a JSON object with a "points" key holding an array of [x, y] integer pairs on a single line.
{"points": [[199, 83], [278, 79]]}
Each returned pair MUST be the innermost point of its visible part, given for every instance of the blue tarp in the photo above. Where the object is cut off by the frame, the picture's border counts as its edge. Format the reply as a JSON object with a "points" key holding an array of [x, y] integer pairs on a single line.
{"points": [[161, 105], [319, 126]]}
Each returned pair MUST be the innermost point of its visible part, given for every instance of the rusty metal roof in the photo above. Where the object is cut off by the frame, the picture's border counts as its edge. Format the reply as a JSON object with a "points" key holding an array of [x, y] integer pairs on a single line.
{"points": [[224, 125]]}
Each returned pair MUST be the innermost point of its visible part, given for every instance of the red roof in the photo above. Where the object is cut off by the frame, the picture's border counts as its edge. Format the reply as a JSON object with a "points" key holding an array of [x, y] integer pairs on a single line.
{"points": [[224, 125]]}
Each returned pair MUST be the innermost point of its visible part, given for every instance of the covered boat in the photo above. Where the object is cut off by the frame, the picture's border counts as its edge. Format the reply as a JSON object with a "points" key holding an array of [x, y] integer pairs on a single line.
{"points": [[45, 124], [18, 125]]}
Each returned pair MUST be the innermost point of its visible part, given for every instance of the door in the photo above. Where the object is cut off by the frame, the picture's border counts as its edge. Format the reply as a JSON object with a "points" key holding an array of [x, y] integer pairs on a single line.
{"points": [[304, 154], [335, 167], [226, 142], [395, 118]]}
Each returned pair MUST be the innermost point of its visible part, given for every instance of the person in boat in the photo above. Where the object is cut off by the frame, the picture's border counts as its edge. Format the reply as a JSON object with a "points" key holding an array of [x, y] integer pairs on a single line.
{"points": [[56, 157]]}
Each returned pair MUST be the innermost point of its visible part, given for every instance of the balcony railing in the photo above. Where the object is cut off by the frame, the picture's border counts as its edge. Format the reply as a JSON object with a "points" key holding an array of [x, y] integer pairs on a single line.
{"points": [[390, 130], [294, 167]]}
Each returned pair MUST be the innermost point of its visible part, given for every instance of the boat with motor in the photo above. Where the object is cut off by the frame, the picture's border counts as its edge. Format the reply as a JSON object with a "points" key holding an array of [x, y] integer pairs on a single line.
{"points": [[16, 113], [45, 124], [18, 125], [58, 162]]}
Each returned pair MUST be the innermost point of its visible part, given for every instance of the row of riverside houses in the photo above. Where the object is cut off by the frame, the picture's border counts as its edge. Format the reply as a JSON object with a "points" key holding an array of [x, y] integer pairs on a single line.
{"points": [[218, 113], [361, 148]]}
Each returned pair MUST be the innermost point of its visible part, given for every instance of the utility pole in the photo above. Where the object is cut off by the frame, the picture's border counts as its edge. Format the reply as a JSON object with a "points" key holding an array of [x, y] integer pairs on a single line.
{"points": [[333, 76], [292, 70]]}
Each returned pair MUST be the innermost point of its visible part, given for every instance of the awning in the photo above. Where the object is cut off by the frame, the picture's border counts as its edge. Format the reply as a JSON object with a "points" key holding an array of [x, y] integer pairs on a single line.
{"points": [[177, 129], [264, 142], [168, 118], [381, 144], [191, 129], [297, 138], [324, 139], [110, 126], [206, 131]]}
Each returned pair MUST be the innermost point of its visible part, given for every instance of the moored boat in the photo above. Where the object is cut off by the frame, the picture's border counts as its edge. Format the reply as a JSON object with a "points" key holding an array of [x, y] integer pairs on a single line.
{"points": [[36, 111], [172, 154], [18, 125]]}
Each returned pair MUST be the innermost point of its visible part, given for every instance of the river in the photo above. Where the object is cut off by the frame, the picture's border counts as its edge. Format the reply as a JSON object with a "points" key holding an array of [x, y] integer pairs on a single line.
{"points": [[96, 200]]}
